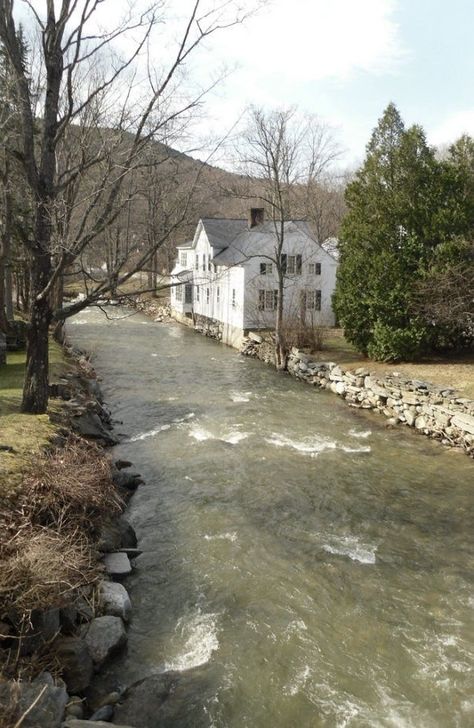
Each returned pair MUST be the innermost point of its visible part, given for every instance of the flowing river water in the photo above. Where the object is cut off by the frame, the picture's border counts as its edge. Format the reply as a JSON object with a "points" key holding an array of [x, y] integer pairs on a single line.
{"points": [[317, 565]]}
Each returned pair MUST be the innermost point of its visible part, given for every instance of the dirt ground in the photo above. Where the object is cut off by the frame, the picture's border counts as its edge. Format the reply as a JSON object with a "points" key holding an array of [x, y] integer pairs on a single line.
{"points": [[456, 372]]}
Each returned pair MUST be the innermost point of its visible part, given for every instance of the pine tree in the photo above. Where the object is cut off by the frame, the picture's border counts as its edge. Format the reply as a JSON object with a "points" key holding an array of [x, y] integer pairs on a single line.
{"points": [[402, 205]]}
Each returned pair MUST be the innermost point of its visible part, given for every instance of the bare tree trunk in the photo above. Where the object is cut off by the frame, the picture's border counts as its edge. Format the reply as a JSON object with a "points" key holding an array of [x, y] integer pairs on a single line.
{"points": [[6, 303], [22, 287], [36, 389], [3, 317], [9, 292], [57, 303], [281, 353]]}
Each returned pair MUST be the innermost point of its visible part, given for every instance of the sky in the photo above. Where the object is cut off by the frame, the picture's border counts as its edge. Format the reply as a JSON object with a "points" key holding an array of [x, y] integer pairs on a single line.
{"points": [[345, 60]]}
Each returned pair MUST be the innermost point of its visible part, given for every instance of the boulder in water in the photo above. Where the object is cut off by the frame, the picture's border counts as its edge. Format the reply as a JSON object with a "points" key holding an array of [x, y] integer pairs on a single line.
{"points": [[105, 636], [170, 699]]}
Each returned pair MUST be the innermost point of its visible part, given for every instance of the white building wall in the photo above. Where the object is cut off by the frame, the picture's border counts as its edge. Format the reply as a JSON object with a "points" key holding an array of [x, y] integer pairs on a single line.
{"points": [[296, 243], [225, 301], [230, 294]]}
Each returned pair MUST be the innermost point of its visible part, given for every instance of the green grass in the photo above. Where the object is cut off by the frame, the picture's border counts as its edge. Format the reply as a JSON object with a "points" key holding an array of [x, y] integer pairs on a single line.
{"points": [[26, 434]]}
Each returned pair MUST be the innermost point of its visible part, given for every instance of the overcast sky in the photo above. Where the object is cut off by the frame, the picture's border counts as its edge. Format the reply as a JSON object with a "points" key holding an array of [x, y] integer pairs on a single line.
{"points": [[345, 60]]}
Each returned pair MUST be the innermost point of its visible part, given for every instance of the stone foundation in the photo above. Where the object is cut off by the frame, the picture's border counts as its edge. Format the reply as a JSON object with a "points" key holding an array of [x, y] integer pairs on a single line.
{"points": [[230, 335]]}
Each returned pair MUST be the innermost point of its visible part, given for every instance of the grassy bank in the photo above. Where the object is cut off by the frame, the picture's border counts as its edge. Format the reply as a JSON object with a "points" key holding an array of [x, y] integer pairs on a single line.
{"points": [[454, 371], [26, 434], [53, 502]]}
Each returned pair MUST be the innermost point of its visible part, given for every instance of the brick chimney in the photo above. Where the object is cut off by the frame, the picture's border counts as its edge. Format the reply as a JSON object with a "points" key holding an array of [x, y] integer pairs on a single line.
{"points": [[256, 217]]}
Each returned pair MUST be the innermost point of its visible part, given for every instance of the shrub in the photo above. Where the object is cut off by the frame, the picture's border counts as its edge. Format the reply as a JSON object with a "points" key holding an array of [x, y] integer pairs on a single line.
{"points": [[396, 344]]}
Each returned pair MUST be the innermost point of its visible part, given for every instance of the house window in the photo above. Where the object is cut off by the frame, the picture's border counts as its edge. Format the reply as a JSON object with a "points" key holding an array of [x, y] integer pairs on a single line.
{"points": [[313, 300], [188, 293], [314, 269], [178, 292], [197, 294], [267, 300], [196, 264], [204, 261], [218, 294], [207, 295], [234, 298], [183, 259], [209, 264], [266, 269], [293, 264]]}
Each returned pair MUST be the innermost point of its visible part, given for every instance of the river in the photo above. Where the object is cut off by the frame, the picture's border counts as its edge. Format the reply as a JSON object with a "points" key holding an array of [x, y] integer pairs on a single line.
{"points": [[316, 563]]}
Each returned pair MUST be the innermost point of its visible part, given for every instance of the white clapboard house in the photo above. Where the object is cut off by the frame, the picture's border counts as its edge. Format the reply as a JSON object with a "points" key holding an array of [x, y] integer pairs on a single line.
{"points": [[225, 280]]}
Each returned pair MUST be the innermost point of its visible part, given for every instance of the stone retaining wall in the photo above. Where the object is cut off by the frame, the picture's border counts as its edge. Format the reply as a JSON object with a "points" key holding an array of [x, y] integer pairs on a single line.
{"points": [[208, 326], [433, 411]]}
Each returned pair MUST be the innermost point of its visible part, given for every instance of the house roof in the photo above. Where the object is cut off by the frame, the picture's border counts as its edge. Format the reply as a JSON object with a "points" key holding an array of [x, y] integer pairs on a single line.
{"points": [[234, 242], [255, 241], [222, 232]]}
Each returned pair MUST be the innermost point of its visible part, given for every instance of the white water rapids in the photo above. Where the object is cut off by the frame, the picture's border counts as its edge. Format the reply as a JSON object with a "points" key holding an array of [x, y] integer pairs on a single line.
{"points": [[313, 566]]}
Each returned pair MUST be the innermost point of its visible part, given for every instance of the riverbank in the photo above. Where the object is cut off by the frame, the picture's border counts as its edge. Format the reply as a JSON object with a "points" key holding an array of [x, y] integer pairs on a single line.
{"points": [[64, 548], [276, 524], [437, 409]]}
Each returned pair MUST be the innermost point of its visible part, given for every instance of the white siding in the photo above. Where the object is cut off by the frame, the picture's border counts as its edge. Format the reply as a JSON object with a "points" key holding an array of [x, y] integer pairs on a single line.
{"points": [[227, 280], [234, 290], [295, 243]]}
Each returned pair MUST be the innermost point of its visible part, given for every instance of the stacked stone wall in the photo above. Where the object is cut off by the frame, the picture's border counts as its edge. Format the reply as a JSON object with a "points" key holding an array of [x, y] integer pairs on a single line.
{"points": [[209, 327], [431, 410]]}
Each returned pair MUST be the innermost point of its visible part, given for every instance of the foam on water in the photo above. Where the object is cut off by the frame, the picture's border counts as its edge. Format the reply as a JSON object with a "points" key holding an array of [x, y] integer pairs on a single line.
{"points": [[295, 627], [298, 682], [240, 396], [150, 433], [201, 435], [313, 446], [233, 438], [229, 536], [351, 546], [161, 428], [310, 446], [196, 638], [346, 448], [361, 434]]}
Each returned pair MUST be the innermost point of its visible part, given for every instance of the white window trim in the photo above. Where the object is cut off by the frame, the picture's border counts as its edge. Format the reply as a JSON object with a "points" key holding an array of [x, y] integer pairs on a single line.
{"points": [[313, 300], [267, 299]]}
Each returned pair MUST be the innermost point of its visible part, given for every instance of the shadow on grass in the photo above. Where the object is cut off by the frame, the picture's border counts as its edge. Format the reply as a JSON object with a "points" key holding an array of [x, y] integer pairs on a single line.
{"points": [[11, 376]]}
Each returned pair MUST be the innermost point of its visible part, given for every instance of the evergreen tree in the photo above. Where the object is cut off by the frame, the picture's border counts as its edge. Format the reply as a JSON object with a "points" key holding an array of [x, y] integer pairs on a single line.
{"points": [[402, 205]]}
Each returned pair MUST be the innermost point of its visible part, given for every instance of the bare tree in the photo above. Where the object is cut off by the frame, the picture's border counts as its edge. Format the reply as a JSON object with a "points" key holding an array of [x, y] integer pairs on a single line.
{"points": [[9, 113], [283, 156], [445, 296], [93, 129]]}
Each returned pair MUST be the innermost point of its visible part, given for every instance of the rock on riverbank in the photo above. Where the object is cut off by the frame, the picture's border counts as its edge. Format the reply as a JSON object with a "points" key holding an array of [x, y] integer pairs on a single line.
{"points": [[77, 635], [431, 410]]}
